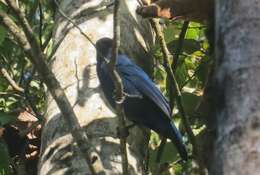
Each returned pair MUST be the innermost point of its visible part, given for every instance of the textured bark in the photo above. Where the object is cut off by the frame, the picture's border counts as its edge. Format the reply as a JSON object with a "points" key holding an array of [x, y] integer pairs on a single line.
{"points": [[237, 148], [74, 66], [192, 10]]}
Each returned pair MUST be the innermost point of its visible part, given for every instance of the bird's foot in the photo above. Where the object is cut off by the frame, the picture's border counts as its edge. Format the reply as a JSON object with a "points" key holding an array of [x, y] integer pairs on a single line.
{"points": [[118, 99], [123, 132], [132, 95]]}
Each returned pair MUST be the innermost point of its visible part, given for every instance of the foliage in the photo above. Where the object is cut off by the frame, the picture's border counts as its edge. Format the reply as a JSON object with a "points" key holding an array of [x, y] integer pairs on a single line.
{"points": [[191, 73], [5, 119], [13, 59], [4, 158]]}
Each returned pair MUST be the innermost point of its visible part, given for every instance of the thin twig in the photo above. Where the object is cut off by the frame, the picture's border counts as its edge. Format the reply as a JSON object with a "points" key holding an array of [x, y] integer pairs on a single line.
{"points": [[77, 27], [10, 80], [119, 94], [166, 57], [160, 151], [7, 62], [47, 41], [176, 60], [10, 94], [174, 65], [39, 116], [179, 45], [3, 1], [159, 155], [28, 42], [73, 23], [40, 25]]}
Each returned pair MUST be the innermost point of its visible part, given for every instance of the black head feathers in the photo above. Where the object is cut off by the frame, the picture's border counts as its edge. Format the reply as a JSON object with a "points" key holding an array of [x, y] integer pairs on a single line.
{"points": [[104, 47]]}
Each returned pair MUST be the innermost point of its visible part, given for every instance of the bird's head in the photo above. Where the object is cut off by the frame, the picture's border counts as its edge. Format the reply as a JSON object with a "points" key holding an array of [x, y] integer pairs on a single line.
{"points": [[104, 48]]}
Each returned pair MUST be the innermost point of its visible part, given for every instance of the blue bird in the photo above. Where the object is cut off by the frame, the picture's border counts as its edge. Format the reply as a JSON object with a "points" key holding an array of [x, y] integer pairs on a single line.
{"points": [[144, 104]]}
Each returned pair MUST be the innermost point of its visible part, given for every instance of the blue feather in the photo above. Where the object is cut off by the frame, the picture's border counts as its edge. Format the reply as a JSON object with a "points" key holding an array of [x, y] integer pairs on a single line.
{"points": [[144, 103]]}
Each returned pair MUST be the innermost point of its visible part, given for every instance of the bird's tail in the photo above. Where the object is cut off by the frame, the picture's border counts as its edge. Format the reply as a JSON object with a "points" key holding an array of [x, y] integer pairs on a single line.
{"points": [[176, 139]]}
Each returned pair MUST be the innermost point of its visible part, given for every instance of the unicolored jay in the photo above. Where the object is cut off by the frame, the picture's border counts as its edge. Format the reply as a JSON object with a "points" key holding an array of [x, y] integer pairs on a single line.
{"points": [[144, 104]]}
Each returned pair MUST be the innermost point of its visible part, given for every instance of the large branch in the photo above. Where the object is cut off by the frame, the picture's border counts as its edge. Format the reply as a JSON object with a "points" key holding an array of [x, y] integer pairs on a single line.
{"points": [[194, 10]]}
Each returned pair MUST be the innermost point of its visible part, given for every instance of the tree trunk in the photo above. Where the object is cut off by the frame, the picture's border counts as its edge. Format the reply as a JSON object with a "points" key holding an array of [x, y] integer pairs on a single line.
{"points": [[74, 66], [237, 148]]}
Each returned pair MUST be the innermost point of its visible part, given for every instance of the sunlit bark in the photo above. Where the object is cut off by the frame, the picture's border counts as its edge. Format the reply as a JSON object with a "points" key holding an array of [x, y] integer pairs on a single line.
{"points": [[74, 66]]}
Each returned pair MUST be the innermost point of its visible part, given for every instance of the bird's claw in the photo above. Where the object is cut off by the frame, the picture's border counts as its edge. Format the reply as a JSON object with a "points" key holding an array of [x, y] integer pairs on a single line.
{"points": [[132, 96], [122, 132], [121, 100], [117, 99]]}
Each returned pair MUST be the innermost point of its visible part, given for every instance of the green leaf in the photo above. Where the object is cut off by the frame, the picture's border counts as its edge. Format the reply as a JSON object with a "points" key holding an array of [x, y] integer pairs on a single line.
{"points": [[192, 34], [6, 118], [190, 102], [203, 70], [3, 33], [4, 158], [182, 73], [171, 33], [35, 85], [195, 31], [189, 46], [170, 154]]}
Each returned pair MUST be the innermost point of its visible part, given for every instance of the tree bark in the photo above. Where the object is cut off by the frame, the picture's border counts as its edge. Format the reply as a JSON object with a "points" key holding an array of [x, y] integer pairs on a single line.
{"points": [[74, 66], [192, 10], [237, 148]]}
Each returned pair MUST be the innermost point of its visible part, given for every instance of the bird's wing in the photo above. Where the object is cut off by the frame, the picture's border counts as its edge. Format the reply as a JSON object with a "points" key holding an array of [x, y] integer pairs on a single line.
{"points": [[135, 78], [129, 87]]}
